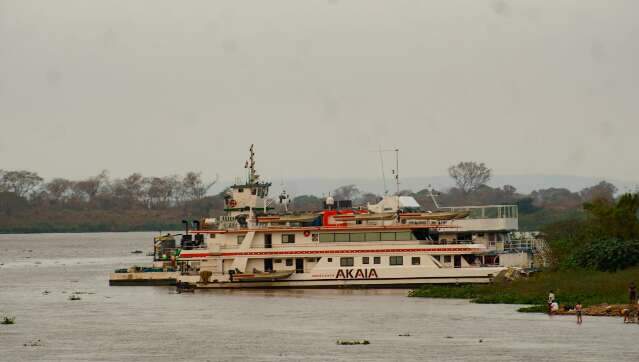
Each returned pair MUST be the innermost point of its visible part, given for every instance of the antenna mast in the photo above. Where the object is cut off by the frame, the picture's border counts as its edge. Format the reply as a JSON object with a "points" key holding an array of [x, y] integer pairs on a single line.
{"points": [[397, 169], [253, 177], [381, 161]]}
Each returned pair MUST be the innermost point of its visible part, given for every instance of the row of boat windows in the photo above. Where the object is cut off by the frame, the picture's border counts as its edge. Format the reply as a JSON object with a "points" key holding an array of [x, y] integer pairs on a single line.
{"points": [[286, 239], [348, 237], [392, 260], [372, 236], [350, 261], [385, 236]]}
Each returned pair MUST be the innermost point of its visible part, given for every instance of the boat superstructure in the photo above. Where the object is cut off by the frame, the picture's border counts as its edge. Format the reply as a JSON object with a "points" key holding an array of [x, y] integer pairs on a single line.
{"points": [[391, 243]]}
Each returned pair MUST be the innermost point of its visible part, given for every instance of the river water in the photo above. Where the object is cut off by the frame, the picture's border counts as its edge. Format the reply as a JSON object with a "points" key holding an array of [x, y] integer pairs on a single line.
{"points": [[155, 324]]}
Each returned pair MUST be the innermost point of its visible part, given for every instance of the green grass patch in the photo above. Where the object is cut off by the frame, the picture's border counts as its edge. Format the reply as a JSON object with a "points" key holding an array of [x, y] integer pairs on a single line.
{"points": [[570, 286]]}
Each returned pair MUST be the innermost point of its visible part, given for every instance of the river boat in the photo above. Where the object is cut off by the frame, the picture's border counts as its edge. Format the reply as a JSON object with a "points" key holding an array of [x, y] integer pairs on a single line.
{"points": [[393, 243]]}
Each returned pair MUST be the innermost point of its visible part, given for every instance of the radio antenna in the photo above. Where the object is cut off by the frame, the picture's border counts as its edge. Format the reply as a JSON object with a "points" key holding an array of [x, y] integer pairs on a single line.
{"points": [[395, 172], [381, 161]]}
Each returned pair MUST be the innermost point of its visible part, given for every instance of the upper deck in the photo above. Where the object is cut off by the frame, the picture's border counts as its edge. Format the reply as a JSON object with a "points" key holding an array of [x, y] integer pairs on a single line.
{"points": [[497, 218]]}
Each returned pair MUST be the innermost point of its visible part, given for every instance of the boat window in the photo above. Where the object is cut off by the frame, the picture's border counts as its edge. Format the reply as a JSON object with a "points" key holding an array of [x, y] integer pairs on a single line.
{"points": [[342, 237], [415, 260], [419, 234], [388, 236], [372, 237], [365, 260], [464, 237], [268, 265], [288, 238], [289, 262], [377, 260], [277, 261], [327, 237], [330, 260], [212, 236], [404, 235], [240, 190], [349, 261], [447, 259], [357, 237], [396, 260], [240, 238], [253, 191]]}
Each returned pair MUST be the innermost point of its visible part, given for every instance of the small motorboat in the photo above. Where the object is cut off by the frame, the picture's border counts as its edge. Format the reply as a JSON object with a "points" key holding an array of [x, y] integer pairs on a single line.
{"points": [[181, 287], [262, 276]]}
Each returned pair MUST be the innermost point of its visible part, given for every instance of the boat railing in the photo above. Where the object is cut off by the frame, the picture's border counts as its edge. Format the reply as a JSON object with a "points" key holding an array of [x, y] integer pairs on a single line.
{"points": [[525, 245], [195, 247], [487, 211], [355, 243]]}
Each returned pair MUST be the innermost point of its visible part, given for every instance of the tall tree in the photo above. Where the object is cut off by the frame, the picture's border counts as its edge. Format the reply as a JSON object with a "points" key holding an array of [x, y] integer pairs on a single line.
{"points": [[159, 191], [19, 182], [194, 187], [346, 192], [58, 189], [89, 188], [367, 198], [130, 190], [469, 175], [556, 199], [601, 191]]}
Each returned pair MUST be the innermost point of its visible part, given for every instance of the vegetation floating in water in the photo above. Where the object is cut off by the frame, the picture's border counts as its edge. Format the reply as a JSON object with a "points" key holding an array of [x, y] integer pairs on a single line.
{"points": [[8, 320], [343, 342]]}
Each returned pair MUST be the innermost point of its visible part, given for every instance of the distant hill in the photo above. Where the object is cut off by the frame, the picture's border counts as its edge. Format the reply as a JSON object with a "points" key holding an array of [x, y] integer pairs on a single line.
{"points": [[523, 183]]}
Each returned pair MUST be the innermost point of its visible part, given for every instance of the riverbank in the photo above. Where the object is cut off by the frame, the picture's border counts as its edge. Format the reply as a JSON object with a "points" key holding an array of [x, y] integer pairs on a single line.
{"points": [[570, 287]]}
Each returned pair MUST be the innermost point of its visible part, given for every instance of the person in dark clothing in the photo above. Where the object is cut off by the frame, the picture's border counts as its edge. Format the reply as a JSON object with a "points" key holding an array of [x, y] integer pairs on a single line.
{"points": [[578, 311], [632, 293]]}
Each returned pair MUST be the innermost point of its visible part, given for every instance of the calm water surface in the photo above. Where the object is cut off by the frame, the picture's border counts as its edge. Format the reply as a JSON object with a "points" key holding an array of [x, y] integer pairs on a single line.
{"points": [[154, 324]]}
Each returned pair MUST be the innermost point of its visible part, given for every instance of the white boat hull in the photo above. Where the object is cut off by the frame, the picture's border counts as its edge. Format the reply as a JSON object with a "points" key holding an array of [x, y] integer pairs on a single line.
{"points": [[308, 280]]}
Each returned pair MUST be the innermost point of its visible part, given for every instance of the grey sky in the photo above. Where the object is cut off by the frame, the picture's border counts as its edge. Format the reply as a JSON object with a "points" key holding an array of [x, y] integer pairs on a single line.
{"points": [[161, 87]]}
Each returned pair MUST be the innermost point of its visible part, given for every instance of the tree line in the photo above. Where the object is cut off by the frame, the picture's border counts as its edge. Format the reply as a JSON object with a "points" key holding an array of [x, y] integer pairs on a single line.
{"points": [[471, 188], [21, 189], [25, 198]]}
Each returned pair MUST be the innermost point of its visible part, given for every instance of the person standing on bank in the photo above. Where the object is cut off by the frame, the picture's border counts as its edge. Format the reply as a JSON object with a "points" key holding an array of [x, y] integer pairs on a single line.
{"points": [[551, 298], [578, 312], [632, 293]]}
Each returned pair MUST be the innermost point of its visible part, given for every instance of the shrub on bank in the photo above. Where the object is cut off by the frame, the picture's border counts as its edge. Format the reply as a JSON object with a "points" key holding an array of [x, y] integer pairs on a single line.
{"points": [[606, 240]]}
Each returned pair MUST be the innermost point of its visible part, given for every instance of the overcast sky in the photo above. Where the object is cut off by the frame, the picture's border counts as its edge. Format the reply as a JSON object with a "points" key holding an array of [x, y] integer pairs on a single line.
{"points": [[162, 87]]}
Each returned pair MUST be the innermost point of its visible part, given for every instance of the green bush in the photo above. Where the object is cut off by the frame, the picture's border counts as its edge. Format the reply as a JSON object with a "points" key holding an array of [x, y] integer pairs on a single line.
{"points": [[607, 240], [607, 254]]}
